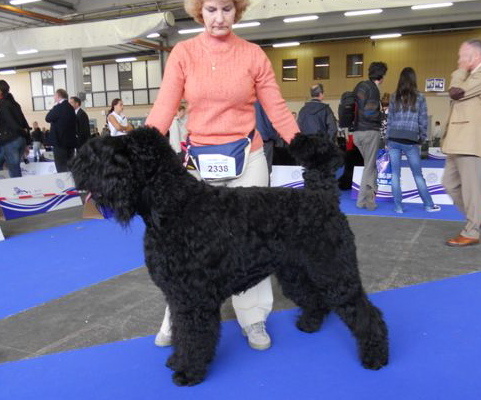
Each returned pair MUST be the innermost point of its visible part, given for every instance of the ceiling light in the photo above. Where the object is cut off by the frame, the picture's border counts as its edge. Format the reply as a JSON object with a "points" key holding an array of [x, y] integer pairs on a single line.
{"points": [[18, 2], [2, 55], [29, 51], [60, 66], [363, 12], [193, 30], [434, 5], [301, 19], [290, 67], [126, 59], [153, 35], [386, 36], [8, 72], [246, 25], [321, 65], [286, 44]]}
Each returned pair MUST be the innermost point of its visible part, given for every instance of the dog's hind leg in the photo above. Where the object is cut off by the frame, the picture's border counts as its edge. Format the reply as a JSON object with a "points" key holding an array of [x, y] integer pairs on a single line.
{"points": [[367, 325], [302, 291], [195, 334]]}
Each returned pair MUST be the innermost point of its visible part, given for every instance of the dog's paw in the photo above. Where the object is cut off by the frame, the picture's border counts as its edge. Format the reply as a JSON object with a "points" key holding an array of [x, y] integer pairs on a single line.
{"points": [[309, 323], [173, 362], [375, 358], [186, 378]]}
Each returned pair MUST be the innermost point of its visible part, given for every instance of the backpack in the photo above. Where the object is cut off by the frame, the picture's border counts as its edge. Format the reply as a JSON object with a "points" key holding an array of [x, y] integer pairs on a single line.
{"points": [[347, 110]]}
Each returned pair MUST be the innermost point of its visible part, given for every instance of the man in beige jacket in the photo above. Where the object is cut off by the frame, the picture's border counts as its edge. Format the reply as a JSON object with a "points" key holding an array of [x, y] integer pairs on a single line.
{"points": [[462, 142]]}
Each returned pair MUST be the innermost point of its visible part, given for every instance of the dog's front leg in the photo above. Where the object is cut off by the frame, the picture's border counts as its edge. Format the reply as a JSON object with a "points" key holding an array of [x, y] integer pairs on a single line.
{"points": [[195, 334]]}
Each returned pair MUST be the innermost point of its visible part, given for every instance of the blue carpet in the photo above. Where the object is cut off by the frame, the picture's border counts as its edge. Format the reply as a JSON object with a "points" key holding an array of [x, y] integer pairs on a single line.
{"points": [[44, 265], [435, 332], [411, 210]]}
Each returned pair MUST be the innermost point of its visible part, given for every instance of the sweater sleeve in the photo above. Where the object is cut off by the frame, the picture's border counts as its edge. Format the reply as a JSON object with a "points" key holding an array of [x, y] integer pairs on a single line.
{"points": [[170, 94], [423, 119], [269, 95]]}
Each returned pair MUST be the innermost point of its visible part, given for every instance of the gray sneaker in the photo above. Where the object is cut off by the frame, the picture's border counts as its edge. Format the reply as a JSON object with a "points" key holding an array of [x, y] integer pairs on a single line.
{"points": [[258, 338], [163, 340]]}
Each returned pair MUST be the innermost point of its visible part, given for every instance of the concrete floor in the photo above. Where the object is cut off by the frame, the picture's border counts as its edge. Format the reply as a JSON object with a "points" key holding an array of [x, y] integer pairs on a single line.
{"points": [[392, 252]]}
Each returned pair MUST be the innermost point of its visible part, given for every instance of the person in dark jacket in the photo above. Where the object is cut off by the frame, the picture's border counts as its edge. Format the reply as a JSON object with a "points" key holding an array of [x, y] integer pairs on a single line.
{"points": [[13, 131], [37, 139], [268, 133], [316, 117], [63, 130], [83, 123], [367, 132]]}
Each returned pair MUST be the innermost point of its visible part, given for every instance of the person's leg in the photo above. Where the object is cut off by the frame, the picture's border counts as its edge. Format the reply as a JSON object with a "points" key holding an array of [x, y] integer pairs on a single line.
{"points": [[395, 158], [470, 173], [452, 181], [62, 156], [368, 144], [414, 160], [254, 305], [13, 155]]}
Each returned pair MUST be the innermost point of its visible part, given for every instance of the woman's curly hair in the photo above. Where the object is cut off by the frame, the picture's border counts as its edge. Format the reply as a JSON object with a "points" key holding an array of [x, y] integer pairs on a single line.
{"points": [[194, 9]]}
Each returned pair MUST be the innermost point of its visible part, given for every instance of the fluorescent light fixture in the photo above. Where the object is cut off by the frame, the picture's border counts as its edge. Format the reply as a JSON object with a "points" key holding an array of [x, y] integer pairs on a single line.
{"points": [[18, 2], [363, 12], [386, 36], [246, 25], [321, 65], [359, 62], [187, 31], [153, 35], [25, 52], [301, 19], [87, 83], [126, 59], [2, 55], [289, 79], [8, 72], [290, 67], [286, 44], [434, 5], [60, 66]]}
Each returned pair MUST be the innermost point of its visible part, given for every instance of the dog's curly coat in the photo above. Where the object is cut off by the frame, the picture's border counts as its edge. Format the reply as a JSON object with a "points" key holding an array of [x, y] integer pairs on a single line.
{"points": [[205, 243]]}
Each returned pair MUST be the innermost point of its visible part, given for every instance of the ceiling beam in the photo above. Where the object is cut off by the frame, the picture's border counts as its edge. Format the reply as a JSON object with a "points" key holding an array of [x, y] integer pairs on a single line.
{"points": [[30, 14], [146, 43]]}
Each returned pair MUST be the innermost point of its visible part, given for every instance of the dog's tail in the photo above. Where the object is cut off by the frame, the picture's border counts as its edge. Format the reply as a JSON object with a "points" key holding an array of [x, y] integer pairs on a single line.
{"points": [[320, 157]]}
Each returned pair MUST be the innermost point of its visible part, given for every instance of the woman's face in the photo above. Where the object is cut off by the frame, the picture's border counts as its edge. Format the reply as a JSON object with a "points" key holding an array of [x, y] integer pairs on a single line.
{"points": [[218, 16], [119, 107]]}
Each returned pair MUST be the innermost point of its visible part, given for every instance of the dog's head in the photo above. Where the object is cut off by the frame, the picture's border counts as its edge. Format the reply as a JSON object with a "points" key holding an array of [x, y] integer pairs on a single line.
{"points": [[117, 170], [316, 152]]}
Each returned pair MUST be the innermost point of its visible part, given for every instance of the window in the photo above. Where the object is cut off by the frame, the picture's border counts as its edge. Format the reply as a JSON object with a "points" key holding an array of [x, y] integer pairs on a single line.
{"points": [[354, 65], [289, 70], [321, 68]]}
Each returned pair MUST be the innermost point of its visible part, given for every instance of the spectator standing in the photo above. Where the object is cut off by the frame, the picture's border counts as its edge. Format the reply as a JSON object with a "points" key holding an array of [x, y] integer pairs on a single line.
{"points": [[13, 131], [63, 130], [316, 117], [178, 129], [83, 123], [367, 132], [437, 134], [407, 127], [118, 123], [461, 142], [37, 142], [268, 133]]}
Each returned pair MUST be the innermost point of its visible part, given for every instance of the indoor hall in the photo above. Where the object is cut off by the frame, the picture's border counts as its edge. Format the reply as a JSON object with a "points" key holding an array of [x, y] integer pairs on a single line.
{"points": [[80, 311]]}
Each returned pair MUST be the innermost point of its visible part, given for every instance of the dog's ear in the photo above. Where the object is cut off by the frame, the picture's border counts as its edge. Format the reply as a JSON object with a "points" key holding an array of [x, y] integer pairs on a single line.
{"points": [[103, 167]]}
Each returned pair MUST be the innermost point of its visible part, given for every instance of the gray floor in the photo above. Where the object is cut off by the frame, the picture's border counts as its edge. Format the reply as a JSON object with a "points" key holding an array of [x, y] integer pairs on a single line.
{"points": [[392, 252]]}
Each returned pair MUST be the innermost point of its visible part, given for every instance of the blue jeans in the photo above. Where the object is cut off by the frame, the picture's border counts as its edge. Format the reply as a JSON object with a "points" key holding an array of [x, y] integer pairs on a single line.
{"points": [[11, 153], [412, 152]]}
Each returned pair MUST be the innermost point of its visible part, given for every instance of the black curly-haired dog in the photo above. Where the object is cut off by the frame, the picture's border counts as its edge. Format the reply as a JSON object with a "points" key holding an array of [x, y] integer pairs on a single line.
{"points": [[205, 243]]}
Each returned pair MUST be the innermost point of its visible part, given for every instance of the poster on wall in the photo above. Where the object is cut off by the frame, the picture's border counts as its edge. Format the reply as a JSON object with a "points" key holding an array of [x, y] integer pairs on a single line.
{"points": [[435, 84]]}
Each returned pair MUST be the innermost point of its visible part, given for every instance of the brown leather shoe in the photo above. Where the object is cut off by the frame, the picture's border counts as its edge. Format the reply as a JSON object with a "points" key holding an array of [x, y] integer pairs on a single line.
{"points": [[461, 241]]}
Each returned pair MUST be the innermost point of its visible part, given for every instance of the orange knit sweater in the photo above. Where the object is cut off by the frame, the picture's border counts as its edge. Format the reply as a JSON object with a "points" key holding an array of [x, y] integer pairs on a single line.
{"points": [[220, 78]]}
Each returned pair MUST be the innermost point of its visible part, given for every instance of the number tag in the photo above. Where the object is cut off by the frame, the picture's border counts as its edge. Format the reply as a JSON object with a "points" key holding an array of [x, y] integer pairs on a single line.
{"points": [[216, 166]]}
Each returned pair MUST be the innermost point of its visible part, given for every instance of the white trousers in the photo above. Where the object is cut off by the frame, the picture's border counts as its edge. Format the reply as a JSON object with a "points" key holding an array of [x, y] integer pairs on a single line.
{"points": [[255, 304]]}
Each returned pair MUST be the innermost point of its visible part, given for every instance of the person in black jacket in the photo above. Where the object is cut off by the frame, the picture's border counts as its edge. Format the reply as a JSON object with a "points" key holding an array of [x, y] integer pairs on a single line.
{"points": [[63, 130], [83, 124], [13, 131], [367, 132], [316, 117]]}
